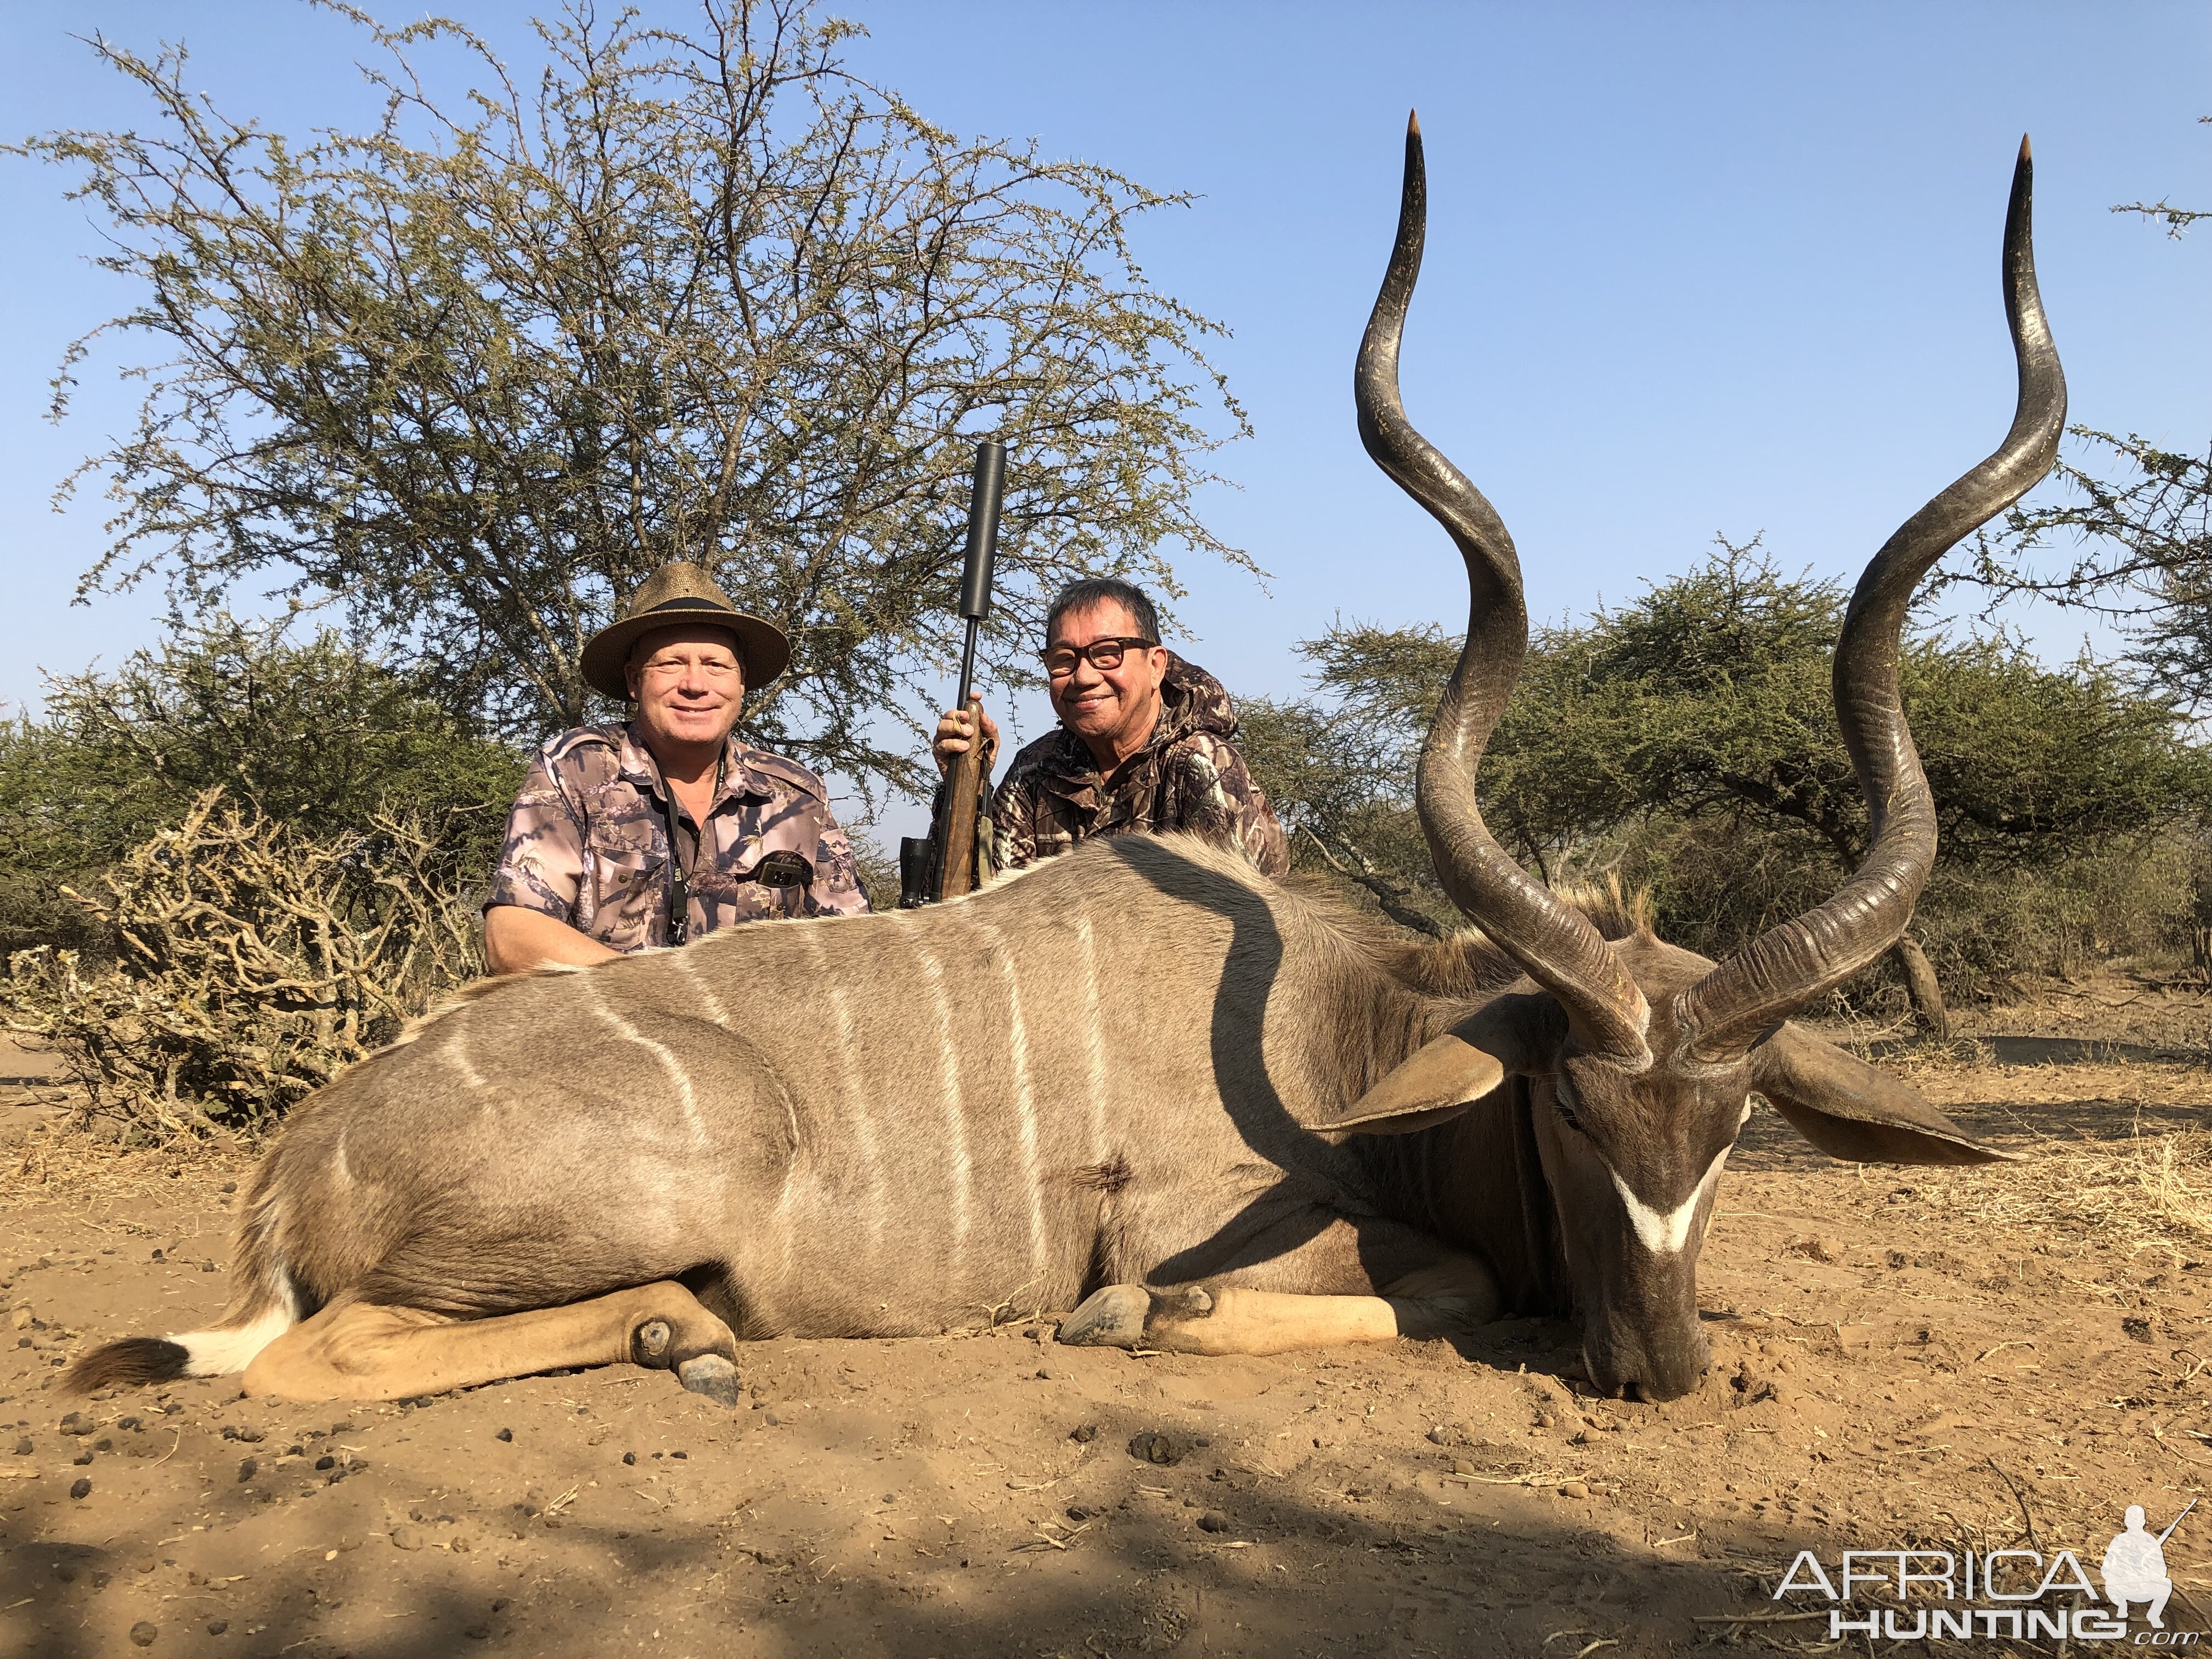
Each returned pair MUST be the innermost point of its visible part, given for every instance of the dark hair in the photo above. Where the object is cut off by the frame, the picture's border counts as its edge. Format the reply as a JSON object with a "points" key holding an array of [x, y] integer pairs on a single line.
{"points": [[1105, 590]]}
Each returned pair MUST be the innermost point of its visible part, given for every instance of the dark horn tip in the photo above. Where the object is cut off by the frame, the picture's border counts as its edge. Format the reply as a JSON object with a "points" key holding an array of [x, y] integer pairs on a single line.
{"points": [[1413, 124], [2026, 153]]}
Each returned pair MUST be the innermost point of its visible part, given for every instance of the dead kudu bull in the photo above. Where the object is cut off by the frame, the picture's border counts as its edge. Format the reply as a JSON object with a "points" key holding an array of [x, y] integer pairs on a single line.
{"points": [[1220, 1115]]}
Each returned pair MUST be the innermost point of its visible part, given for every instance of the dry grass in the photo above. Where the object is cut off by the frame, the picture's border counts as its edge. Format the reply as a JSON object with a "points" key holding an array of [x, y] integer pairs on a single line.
{"points": [[2163, 1184], [60, 1162], [2115, 1152]]}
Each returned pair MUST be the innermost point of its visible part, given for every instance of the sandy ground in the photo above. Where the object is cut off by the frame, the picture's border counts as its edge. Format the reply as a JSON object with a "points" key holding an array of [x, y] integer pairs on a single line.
{"points": [[1901, 1357]]}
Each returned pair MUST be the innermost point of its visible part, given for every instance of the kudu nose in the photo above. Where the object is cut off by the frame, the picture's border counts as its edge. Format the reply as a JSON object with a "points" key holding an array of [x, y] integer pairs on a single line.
{"points": [[1651, 1372]]}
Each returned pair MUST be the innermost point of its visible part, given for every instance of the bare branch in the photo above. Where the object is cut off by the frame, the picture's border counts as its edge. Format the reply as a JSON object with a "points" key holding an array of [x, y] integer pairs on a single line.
{"points": [[469, 375], [259, 964]]}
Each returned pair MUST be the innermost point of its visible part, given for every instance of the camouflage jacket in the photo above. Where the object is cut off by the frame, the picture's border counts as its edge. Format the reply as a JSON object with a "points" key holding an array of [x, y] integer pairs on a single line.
{"points": [[1189, 776], [587, 842]]}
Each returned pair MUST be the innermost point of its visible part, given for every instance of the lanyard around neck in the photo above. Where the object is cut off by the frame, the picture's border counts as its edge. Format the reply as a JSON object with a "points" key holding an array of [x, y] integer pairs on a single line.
{"points": [[679, 879]]}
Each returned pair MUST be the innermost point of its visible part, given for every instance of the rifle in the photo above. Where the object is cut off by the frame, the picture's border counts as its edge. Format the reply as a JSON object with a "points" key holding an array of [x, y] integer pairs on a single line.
{"points": [[943, 866], [2177, 1519]]}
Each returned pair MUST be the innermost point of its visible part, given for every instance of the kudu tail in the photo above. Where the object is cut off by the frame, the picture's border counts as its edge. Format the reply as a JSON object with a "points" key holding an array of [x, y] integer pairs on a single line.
{"points": [[264, 1303]]}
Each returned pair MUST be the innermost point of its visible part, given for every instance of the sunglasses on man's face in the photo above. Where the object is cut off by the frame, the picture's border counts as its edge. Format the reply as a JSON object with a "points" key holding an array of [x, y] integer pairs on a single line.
{"points": [[1105, 655]]}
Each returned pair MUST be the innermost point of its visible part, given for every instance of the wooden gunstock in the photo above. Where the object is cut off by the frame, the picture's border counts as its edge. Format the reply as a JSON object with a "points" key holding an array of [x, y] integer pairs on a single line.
{"points": [[963, 800]]}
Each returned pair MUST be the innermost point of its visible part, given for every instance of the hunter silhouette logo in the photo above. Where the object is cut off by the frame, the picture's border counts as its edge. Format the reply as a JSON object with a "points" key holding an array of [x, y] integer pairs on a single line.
{"points": [[1999, 1592], [2135, 1567]]}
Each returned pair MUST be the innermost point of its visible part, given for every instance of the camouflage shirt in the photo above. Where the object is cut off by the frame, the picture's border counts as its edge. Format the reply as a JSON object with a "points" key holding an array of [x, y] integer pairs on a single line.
{"points": [[587, 843], [1189, 776]]}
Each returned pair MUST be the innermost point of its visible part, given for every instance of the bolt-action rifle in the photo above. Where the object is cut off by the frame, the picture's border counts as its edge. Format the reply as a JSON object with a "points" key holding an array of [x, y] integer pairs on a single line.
{"points": [[942, 865]]}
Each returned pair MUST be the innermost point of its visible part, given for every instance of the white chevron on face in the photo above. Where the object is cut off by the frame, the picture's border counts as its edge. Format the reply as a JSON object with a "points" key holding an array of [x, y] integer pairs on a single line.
{"points": [[1664, 1233]]}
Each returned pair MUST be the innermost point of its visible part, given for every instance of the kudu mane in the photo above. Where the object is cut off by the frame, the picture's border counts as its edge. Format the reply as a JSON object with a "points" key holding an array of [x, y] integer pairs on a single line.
{"points": [[1470, 964]]}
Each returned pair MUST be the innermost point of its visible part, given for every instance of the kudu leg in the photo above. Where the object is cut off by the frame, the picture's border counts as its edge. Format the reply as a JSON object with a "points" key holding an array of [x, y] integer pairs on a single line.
{"points": [[363, 1351], [1451, 1294]]}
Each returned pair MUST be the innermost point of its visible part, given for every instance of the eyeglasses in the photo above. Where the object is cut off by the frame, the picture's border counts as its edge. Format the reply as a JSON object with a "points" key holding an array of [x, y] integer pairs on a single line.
{"points": [[1105, 655]]}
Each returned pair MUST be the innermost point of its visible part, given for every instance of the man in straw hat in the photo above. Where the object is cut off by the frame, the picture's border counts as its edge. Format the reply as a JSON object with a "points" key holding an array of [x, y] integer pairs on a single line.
{"points": [[665, 827]]}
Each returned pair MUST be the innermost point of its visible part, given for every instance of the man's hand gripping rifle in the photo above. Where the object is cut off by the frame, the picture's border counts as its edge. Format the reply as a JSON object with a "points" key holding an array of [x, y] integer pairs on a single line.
{"points": [[945, 865]]}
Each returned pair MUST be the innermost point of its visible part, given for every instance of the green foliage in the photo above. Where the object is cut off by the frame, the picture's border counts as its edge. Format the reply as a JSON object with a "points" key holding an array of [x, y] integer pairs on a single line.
{"points": [[471, 375], [1710, 696], [1340, 768], [1688, 742], [313, 734]]}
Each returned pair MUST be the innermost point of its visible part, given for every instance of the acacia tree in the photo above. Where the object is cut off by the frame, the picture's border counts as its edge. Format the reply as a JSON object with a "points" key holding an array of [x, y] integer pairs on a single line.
{"points": [[1706, 707], [702, 295], [1339, 767], [2139, 519]]}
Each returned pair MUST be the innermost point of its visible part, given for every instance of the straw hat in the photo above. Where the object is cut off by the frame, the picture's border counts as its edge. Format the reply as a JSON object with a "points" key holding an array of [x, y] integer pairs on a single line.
{"points": [[674, 596]]}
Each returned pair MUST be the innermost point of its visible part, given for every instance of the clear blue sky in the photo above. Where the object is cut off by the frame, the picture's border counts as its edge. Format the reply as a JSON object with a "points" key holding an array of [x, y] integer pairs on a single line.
{"points": [[1693, 268]]}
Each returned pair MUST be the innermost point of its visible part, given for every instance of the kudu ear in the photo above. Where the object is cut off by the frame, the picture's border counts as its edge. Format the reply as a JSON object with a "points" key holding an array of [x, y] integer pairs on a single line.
{"points": [[1512, 1036], [1850, 1110]]}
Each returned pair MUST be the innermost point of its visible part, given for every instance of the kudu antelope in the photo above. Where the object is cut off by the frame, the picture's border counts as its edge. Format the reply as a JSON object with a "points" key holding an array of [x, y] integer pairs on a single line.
{"points": [[1220, 1115]]}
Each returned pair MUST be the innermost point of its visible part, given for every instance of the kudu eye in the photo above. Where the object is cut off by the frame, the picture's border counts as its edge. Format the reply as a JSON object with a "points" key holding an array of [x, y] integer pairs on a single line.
{"points": [[1564, 1104]]}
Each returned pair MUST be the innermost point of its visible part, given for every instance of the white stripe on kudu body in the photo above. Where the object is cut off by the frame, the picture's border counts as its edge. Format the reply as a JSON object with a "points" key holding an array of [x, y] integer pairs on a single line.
{"points": [[1094, 1037], [457, 1052], [856, 1109], [1024, 1097], [956, 1115], [676, 1074], [715, 1011]]}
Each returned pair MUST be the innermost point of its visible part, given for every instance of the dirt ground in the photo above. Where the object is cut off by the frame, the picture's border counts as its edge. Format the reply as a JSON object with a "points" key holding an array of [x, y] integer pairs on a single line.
{"points": [[1963, 1358]]}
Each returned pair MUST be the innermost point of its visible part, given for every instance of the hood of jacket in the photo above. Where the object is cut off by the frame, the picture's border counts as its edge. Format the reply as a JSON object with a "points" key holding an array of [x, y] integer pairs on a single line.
{"points": [[1191, 701]]}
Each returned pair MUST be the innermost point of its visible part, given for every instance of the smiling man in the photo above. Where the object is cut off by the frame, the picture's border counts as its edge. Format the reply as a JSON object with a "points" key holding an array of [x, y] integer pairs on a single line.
{"points": [[1144, 743], [665, 827]]}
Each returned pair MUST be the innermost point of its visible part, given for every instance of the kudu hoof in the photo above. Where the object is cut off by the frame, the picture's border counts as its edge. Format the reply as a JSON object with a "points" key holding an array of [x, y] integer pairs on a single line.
{"points": [[1110, 1317], [711, 1375]]}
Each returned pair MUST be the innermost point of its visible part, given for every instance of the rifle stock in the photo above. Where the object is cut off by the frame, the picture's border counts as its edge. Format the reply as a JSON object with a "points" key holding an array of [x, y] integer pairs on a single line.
{"points": [[963, 798]]}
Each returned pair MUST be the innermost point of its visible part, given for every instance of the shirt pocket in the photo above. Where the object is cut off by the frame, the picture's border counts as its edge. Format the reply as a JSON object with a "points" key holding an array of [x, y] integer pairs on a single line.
{"points": [[625, 882], [619, 870], [740, 843]]}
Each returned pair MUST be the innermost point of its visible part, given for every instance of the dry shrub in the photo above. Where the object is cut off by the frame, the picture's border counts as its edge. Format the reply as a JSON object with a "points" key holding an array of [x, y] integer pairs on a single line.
{"points": [[2127, 902], [254, 963]]}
